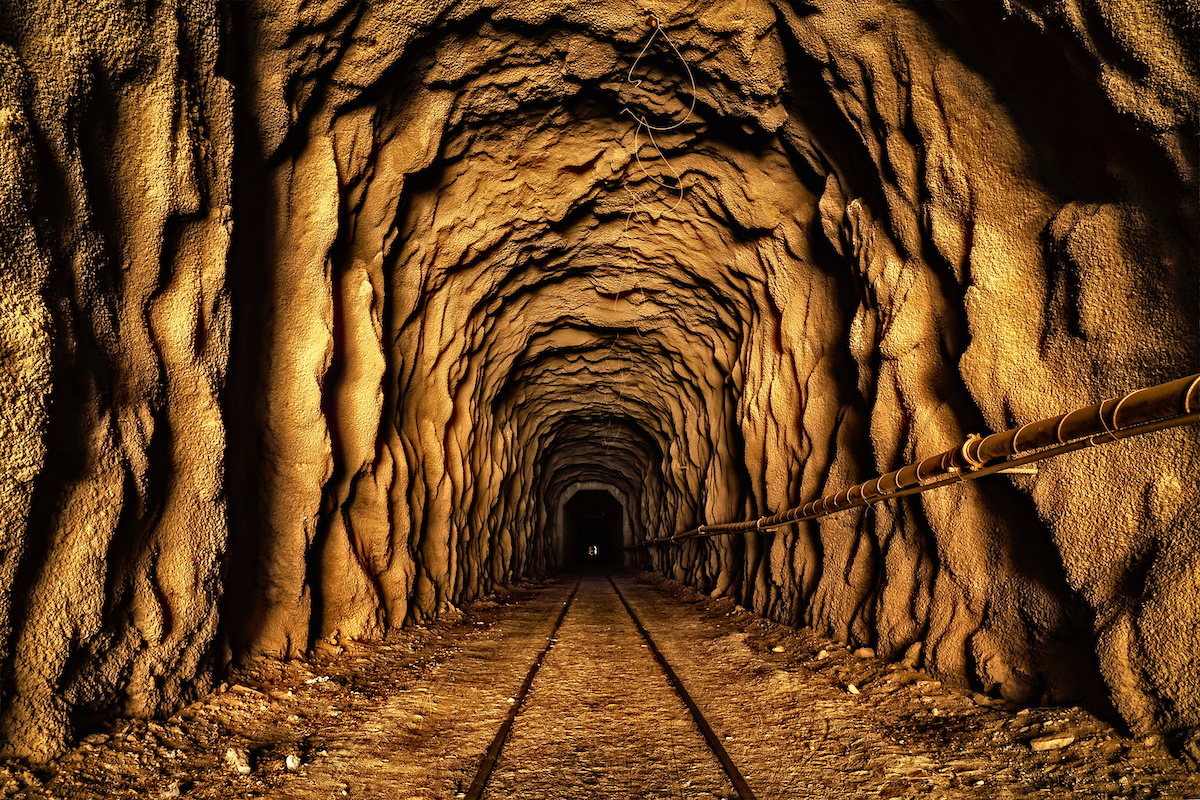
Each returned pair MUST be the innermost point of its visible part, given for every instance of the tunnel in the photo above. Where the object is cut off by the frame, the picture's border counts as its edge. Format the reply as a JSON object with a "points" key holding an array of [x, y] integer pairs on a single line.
{"points": [[325, 321], [594, 528]]}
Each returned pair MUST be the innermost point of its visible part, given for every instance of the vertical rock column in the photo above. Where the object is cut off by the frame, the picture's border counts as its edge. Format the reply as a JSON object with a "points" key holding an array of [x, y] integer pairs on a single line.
{"points": [[121, 324]]}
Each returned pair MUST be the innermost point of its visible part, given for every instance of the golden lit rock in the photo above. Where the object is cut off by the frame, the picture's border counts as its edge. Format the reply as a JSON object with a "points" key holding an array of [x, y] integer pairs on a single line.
{"points": [[317, 316]]}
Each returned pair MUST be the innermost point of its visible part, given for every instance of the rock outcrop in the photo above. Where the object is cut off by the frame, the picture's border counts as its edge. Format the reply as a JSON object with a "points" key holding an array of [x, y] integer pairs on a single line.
{"points": [[467, 256]]}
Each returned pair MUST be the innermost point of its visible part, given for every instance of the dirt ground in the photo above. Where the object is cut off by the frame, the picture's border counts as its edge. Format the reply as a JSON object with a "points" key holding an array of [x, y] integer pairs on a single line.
{"points": [[603, 714], [801, 715]]}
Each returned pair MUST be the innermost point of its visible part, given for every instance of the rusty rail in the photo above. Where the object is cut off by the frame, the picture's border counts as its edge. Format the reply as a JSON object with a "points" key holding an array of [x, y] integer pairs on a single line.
{"points": [[1168, 405]]}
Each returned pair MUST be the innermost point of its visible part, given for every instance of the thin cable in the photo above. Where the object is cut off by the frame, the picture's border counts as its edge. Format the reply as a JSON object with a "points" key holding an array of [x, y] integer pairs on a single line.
{"points": [[638, 203], [644, 123], [638, 84]]}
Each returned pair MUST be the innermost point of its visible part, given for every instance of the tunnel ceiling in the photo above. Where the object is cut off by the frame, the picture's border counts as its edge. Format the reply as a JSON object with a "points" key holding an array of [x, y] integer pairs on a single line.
{"points": [[562, 238], [342, 299]]}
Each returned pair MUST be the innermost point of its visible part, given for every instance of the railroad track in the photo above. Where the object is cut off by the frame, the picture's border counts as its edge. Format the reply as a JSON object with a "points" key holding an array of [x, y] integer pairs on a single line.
{"points": [[602, 659]]}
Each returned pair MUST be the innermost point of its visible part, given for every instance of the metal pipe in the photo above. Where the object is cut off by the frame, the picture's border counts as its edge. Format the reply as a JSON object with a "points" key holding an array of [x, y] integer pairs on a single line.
{"points": [[1168, 405]]}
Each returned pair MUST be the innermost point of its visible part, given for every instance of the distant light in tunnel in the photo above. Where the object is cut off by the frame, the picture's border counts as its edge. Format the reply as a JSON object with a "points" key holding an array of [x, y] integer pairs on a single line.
{"points": [[594, 525]]}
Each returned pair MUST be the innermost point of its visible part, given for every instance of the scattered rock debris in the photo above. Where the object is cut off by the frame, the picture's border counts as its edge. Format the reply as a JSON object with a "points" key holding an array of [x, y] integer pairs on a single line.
{"points": [[239, 760], [905, 734], [1051, 742], [323, 727]]}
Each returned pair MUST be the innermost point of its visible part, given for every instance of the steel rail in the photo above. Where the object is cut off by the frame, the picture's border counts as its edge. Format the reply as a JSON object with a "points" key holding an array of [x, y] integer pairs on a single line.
{"points": [[1155, 408], [714, 742], [488, 763]]}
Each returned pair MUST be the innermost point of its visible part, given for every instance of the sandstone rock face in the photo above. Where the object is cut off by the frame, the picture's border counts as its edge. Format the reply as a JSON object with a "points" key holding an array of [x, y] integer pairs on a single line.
{"points": [[470, 257], [116, 148]]}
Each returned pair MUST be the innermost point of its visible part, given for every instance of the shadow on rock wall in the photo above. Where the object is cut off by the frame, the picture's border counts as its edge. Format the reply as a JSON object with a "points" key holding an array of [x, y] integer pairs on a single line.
{"points": [[722, 259]]}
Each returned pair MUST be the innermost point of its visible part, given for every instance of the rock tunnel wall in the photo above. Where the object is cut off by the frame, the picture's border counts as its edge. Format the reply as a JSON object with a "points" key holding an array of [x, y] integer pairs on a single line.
{"points": [[115, 201], [314, 310]]}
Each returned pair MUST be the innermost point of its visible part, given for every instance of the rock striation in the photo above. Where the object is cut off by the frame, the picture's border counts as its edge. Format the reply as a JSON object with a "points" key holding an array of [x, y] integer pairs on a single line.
{"points": [[316, 312], [116, 161]]}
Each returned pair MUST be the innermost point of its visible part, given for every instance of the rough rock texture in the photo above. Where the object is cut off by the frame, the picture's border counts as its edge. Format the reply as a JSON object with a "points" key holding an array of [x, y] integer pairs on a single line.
{"points": [[116, 143], [719, 257]]}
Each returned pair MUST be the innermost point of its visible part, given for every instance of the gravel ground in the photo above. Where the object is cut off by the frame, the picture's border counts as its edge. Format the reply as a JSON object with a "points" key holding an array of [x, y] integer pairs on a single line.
{"points": [[801, 715], [806, 717], [602, 720]]}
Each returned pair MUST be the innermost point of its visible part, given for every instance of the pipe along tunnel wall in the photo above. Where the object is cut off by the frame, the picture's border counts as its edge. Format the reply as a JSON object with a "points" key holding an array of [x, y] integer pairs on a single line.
{"points": [[312, 311]]}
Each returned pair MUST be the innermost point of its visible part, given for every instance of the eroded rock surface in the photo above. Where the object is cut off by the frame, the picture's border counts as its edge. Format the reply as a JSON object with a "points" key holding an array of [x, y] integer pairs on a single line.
{"points": [[116, 135], [722, 258]]}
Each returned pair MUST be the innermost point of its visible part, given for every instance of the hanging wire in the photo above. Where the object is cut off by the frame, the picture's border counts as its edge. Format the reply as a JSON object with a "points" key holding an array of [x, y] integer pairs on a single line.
{"points": [[656, 25], [645, 124], [637, 200]]}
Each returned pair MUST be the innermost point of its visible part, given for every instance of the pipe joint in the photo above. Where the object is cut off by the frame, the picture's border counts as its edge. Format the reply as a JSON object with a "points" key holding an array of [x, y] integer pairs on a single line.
{"points": [[970, 452]]}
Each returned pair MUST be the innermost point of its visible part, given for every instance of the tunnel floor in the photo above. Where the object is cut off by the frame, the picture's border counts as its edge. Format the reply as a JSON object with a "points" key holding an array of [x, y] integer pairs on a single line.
{"points": [[603, 713], [799, 714]]}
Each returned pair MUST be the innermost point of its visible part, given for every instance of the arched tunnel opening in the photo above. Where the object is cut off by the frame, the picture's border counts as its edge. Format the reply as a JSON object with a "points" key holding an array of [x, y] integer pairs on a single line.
{"points": [[324, 324], [593, 529]]}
